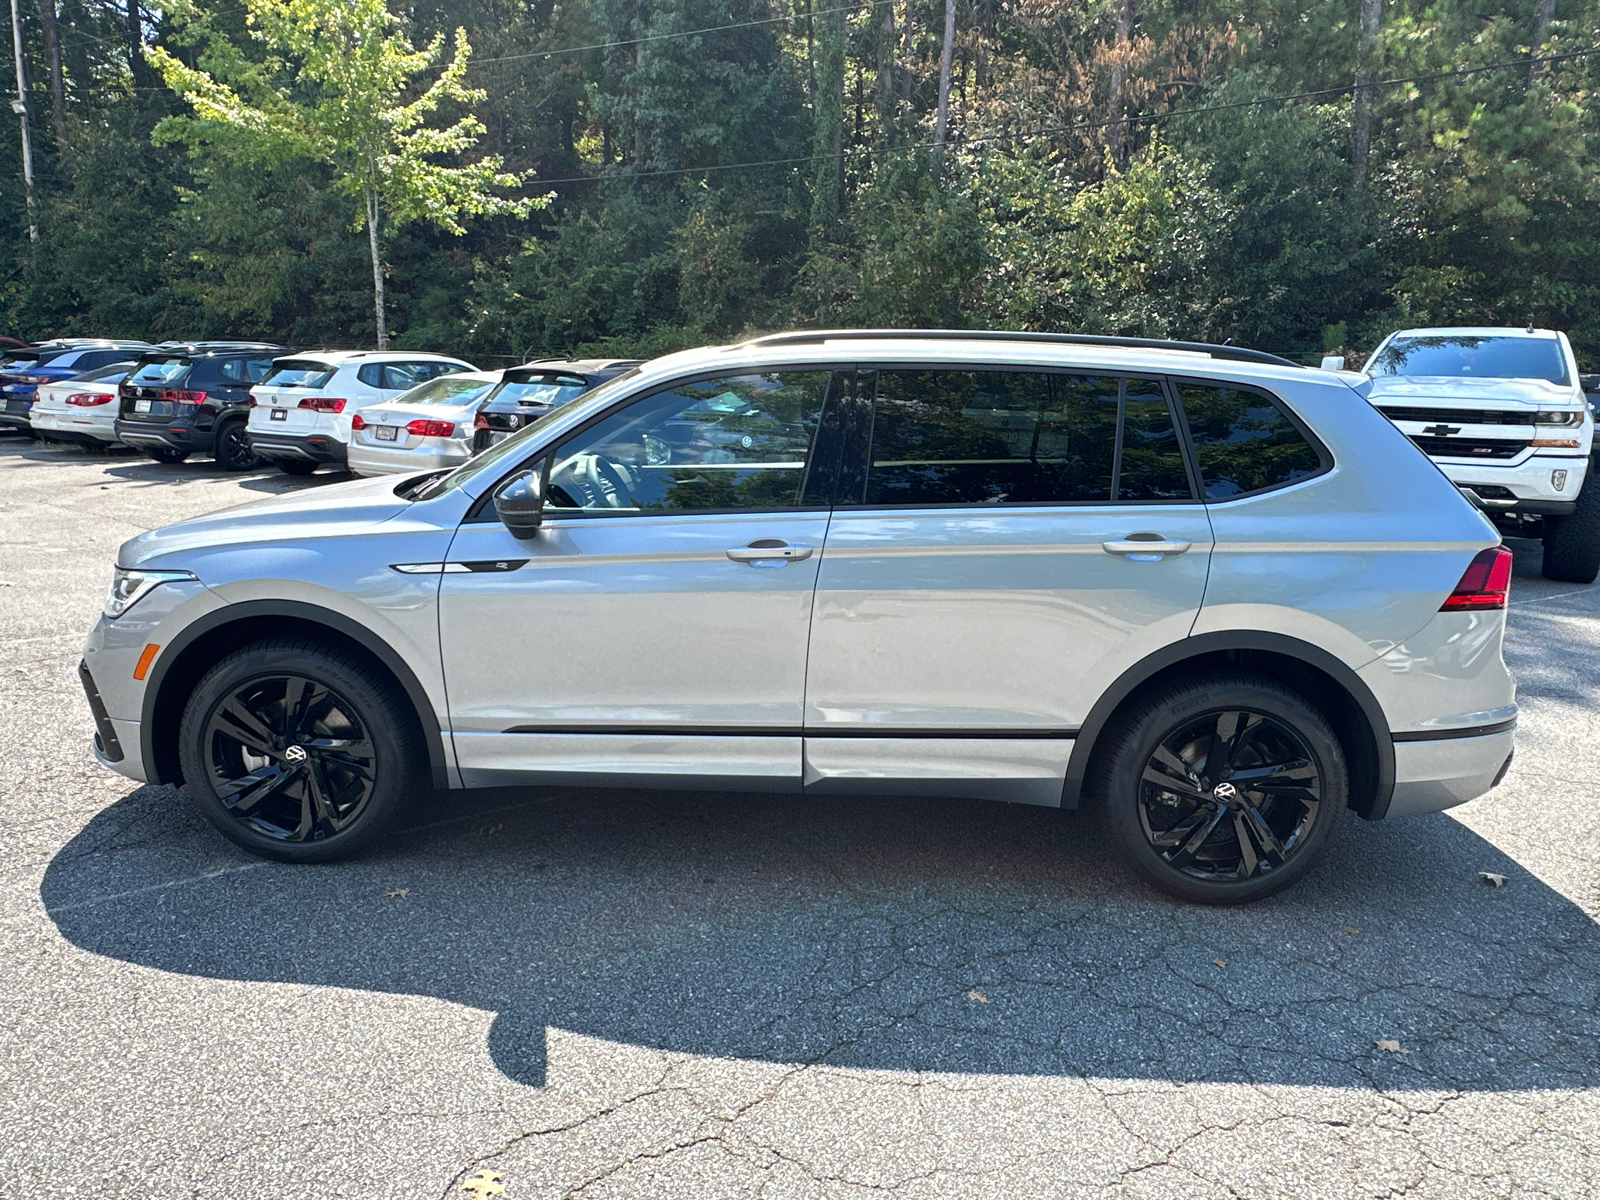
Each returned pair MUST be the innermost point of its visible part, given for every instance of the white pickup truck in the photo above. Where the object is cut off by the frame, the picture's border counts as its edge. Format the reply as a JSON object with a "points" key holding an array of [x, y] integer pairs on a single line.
{"points": [[1503, 414]]}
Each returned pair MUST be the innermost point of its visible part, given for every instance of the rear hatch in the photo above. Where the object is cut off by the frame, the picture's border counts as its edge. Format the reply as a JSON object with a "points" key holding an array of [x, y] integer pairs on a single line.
{"points": [[157, 386], [277, 398]]}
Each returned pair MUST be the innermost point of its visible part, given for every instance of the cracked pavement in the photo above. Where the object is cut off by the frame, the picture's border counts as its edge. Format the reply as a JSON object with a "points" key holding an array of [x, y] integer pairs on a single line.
{"points": [[651, 994]]}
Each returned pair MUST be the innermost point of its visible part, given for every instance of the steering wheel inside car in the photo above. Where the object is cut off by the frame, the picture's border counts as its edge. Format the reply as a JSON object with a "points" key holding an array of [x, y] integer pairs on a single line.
{"points": [[594, 481]]}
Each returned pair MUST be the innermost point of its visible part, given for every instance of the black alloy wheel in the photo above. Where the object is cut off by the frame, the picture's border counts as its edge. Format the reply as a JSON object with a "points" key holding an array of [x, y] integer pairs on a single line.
{"points": [[1223, 791], [166, 454], [232, 448], [298, 751]]}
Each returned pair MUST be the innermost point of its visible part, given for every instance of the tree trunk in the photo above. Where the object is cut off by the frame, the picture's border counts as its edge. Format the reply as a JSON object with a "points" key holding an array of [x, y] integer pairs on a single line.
{"points": [[941, 122], [1116, 139], [1541, 28], [1366, 72], [908, 77], [377, 269], [886, 73], [52, 47]]}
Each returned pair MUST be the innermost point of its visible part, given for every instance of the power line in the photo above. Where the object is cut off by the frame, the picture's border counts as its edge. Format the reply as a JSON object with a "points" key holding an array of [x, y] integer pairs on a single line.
{"points": [[1079, 126]]}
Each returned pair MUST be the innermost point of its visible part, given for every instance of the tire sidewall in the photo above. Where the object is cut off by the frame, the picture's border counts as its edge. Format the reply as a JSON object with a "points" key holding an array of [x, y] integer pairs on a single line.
{"points": [[374, 705], [226, 458], [1154, 722]]}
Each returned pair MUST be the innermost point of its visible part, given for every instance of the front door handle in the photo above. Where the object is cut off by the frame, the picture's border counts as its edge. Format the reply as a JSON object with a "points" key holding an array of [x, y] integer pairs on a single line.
{"points": [[771, 552], [1145, 547]]}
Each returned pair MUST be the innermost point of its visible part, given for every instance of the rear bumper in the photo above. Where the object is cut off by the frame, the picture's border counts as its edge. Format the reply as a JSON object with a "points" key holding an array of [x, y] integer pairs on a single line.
{"points": [[176, 435], [1440, 773], [398, 460], [313, 447], [70, 427]]}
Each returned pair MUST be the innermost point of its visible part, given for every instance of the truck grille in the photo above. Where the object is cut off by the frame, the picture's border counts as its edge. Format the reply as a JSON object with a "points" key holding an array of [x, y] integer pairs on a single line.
{"points": [[1458, 416], [1460, 447]]}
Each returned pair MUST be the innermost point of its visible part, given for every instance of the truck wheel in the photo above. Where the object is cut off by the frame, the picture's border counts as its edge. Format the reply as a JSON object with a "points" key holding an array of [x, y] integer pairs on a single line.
{"points": [[1572, 543]]}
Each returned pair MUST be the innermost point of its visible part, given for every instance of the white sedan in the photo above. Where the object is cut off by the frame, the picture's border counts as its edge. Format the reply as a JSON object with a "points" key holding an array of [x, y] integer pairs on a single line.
{"points": [[82, 409], [424, 429]]}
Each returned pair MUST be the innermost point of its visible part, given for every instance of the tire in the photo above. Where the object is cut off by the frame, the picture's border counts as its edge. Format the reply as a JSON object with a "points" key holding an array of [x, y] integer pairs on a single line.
{"points": [[232, 449], [165, 454], [1572, 543], [297, 466], [1156, 827], [252, 731]]}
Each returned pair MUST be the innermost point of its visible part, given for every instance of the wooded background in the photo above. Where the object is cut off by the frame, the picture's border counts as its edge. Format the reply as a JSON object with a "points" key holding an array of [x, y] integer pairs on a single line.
{"points": [[1292, 176]]}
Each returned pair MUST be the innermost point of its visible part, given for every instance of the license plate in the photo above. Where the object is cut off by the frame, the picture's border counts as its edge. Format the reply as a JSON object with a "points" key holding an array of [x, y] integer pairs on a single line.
{"points": [[278, 414], [386, 433], [141, 406]]}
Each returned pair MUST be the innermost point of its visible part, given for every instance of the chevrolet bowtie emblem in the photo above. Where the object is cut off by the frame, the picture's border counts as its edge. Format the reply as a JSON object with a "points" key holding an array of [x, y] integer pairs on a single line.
{"points": [[1442, 430]]}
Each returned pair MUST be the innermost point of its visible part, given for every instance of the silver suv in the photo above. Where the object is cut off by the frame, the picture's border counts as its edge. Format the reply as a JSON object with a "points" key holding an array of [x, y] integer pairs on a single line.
{"points": [[1206, 591]]}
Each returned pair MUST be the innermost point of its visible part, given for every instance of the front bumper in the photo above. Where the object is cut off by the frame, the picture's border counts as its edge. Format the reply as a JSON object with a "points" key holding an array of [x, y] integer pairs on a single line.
{"points": [[1543, 484], [1440, 773], [314, 447]]}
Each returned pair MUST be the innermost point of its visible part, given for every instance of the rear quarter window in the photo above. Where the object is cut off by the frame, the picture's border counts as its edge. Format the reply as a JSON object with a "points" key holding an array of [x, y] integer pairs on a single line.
{"points": [[1244, 440]]}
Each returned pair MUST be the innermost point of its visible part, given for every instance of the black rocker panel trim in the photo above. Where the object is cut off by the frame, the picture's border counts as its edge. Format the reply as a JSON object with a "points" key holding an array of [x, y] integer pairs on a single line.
{"points": [[1469, 731], [311, 614], [921, 731]]}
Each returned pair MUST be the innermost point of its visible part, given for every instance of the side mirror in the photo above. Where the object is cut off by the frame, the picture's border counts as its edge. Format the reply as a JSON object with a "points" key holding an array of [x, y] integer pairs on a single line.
{"points": [[520, 504], [1333, 362], [1589, 383]]}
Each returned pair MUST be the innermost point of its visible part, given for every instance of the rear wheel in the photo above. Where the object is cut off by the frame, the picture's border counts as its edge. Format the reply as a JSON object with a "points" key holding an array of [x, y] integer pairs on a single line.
{"points": [[1572, 543], [1222, 790], [298, 751], [166, 454], [232, 449], [296, 466]]}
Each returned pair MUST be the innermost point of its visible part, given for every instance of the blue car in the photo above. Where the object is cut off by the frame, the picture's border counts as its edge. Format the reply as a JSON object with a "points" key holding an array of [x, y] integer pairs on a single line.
{"points": [[24, 369]]}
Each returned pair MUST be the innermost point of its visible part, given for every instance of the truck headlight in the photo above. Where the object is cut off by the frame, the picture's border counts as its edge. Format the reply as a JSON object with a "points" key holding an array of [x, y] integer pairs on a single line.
{"points": [[1549, 417], [128, 587]]}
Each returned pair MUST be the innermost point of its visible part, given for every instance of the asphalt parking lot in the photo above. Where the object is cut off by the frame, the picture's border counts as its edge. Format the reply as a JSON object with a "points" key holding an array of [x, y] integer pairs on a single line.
{"points": [[649, 994]]}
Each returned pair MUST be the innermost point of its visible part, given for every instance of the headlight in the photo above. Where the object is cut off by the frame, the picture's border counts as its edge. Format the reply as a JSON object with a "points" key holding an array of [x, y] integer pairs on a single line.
{"points": [[1559, 418], [129, 587]]}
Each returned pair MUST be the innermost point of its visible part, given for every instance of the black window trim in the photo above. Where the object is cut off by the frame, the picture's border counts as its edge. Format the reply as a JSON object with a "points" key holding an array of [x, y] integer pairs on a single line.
{"points": [[1325, 457], [482, 509], [1180, 429]]}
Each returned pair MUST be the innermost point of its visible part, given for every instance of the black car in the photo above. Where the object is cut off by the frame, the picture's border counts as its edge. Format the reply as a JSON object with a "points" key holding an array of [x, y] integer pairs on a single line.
{"points": [[23, 369], [526, 393], [194, 397]]}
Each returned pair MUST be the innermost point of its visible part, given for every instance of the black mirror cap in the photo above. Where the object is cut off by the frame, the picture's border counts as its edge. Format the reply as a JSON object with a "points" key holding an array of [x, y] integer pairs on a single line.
{"points": [[519, 503]]}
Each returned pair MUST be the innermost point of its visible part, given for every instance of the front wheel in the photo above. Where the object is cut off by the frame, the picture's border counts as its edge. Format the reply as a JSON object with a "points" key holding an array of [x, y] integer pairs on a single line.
{"points": [[296, 466], [298, 751], [232, 449], [1572, 543], [1222, 790], [166, 454]]}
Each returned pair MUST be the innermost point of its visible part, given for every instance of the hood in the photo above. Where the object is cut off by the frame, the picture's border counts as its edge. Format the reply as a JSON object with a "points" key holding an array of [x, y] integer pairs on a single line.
{"points": [[1532, 392], [341, 508]]}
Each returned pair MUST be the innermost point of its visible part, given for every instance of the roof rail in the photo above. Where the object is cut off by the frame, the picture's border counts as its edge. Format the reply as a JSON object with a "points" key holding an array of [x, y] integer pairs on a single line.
{"points": [[1239, 353]]}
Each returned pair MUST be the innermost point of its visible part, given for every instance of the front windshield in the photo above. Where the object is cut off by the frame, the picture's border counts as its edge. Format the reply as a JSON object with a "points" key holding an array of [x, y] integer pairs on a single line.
{"points": [[554, 390], [498, 454], [1473, 356], [447, 389]]}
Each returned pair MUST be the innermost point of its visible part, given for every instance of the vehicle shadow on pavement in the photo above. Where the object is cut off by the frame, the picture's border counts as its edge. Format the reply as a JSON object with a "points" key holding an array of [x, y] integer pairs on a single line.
{"points": [[893, 934]]}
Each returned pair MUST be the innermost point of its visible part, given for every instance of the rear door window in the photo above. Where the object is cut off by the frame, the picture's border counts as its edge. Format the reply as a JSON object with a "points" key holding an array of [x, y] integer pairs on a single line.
{"points": [[403, 376], [947, 437], [1243, 439]]}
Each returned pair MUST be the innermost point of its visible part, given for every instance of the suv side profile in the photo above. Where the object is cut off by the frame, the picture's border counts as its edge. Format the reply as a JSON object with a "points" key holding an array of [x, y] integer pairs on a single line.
{"points": [[1204, 591], [186, 398], [301, 413]]}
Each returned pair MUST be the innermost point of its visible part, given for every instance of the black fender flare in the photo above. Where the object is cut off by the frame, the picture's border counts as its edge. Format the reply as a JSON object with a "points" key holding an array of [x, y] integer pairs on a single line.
{"points": [[230, 614], [1233, 640]]}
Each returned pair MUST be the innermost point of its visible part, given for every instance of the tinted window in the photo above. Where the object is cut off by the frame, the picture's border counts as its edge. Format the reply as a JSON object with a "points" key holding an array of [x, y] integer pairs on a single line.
{"points": [[1243, 440], [1472, 356], [245, 370], [1003, 437], [297, 373], [552, 390], [452, 389], [161, 370], [740, 442], [403, 376]]}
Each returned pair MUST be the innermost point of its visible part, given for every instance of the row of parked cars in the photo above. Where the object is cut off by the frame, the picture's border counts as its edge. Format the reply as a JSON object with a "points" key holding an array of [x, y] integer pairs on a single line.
{"points": [[249, 403], [1503, 412]]}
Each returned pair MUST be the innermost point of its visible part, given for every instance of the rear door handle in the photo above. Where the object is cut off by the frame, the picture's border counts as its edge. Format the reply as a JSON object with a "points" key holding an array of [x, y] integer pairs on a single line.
{"points": [[772, 552], [1145, 547]]}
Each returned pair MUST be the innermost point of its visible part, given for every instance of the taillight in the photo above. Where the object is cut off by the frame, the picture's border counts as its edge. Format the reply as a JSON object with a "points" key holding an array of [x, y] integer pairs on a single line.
{"points": [[423, 428], [325, 404], [183, 395], [89, 399], [480, 422], [252, 402], [1483, 584], [358, 422]]}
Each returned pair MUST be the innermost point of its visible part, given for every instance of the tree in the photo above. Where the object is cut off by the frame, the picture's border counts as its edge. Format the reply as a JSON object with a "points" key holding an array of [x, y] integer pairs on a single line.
{"points": [[332, 87]]}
